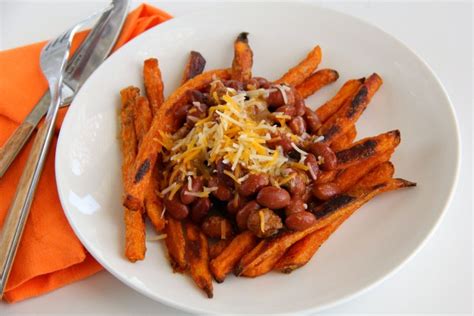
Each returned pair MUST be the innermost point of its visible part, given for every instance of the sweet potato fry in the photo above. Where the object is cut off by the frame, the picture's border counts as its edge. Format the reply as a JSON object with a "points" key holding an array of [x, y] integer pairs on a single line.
{"points": [[194, 66], [176, 245], [302, 251], [316, 81], [226, 261], [153, 84], [135, 239], [337, 207], [243, 59], [163, 122], [366, 148], [303, 70], [351, 110], [154, 204], [345, 140], [346, 178], [326, 176], [142, 117], [127, 133], [330, 107], [197, 252], [135, 244], [216, 248], [249, 257], [270, 251], [376, 176]]}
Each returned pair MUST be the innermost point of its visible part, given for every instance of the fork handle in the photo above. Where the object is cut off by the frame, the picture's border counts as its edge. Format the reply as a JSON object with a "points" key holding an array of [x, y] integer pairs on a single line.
{"points": [[14, 223]]}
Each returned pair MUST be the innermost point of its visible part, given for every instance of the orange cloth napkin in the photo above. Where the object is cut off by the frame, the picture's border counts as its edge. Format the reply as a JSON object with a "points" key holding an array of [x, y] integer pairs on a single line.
{"points": [[49, 255]]}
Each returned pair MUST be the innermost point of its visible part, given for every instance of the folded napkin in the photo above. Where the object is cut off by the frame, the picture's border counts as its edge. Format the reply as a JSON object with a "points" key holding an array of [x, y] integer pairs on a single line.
{"points": [[49, 255]]}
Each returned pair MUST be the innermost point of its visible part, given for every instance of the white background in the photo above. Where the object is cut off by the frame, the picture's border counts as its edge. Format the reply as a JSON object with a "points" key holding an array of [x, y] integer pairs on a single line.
{"points": [[437, 280]]}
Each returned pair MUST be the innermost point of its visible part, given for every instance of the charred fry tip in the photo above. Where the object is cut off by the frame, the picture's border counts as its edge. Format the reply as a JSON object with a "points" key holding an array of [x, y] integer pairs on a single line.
{"points": [[238, 270], [375, 77], [243, 37], [396, 134], [218, 280], [289, 269], [208, 291], [361, 80], [405, 183]]}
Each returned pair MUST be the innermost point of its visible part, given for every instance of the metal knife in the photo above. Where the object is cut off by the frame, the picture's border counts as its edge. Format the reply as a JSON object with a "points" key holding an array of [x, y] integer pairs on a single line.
{"points": [[92, 52]]}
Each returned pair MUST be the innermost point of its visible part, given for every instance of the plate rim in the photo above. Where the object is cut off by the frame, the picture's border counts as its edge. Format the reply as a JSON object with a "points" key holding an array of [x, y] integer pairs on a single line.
{"points": [[342, 299]]}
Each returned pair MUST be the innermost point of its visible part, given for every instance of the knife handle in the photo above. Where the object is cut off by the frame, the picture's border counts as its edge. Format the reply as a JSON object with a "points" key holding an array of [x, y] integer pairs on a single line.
{"points": [[13, 145], [10, 234], [20, 136]]}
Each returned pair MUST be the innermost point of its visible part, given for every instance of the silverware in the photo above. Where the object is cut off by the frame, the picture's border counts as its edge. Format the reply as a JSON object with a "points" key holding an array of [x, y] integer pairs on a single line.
{"points": [[53, 62], [93, 51]]}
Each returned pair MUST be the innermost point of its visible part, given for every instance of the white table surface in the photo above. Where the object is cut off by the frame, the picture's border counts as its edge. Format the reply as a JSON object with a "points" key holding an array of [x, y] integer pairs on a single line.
{"points": [[437, 280]]}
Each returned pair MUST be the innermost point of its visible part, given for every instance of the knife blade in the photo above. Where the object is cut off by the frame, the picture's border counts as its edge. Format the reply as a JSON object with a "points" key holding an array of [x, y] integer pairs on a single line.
{"points": [[90, 54]]}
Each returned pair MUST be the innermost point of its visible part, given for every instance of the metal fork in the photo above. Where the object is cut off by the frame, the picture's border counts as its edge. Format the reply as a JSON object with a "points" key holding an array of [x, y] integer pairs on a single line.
{"points": [[53, 61]]}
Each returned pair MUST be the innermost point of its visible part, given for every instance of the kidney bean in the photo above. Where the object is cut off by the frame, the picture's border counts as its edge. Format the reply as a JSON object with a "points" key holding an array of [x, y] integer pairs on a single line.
{"points": [[275, 98], [181, 111], [218, 88], [175, 208], [196, 186], [195, 113], [258, 82], [200, 209], [271, 223], [243, 214], [221, 167], [198, 96], [234, 84], [297, 125], [313, 166], [300, 220], [223, 192], [217, 227], [280, 140], [296, 205], [253, 183], [312, 120], [273, 197], [286, 110], [297, 185], [308, 193], [328, 155], [299, 104], [182, 131], [325, 191], [234, 205]]}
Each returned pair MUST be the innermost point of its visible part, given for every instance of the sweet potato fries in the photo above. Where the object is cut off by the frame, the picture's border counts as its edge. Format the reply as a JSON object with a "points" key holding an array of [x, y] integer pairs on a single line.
{"points": [[229, 198]]}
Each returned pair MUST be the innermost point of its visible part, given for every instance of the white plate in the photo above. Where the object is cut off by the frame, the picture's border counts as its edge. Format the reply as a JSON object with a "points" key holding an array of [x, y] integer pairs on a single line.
{"points": [[374, 243]]}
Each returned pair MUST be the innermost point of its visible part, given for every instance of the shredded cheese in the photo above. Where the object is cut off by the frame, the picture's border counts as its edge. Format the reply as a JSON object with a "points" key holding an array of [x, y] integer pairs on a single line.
{"points": [[157, 237], [174, 190], [232, 132], [262, 221], [311, 172], [283, 93]]}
